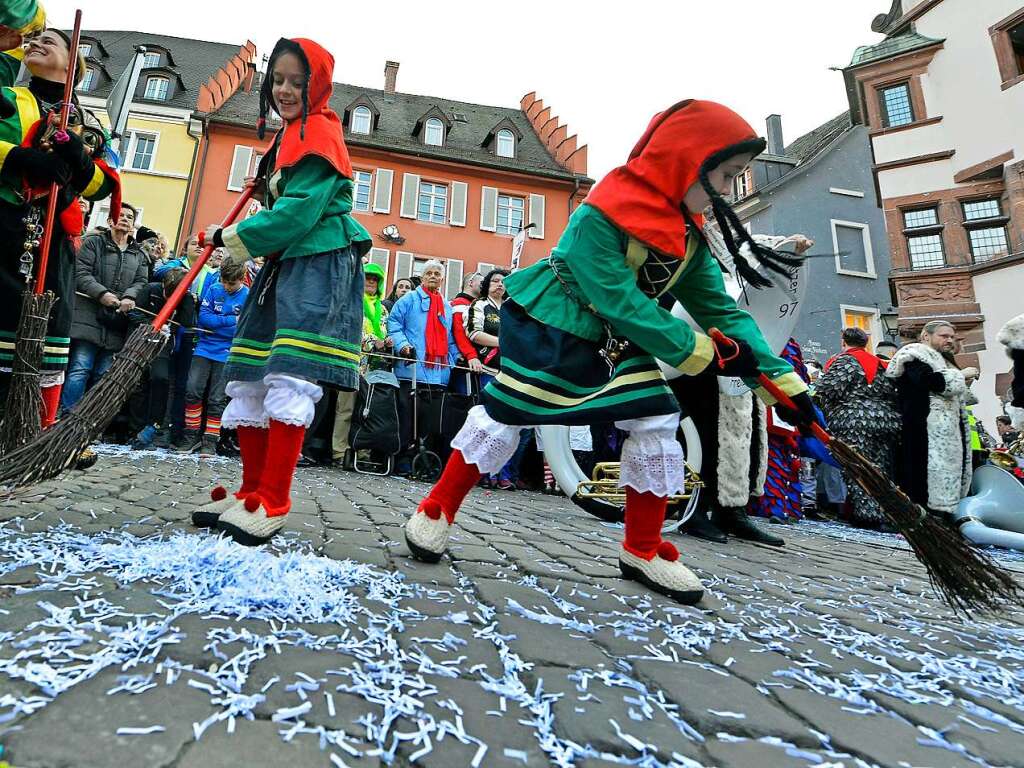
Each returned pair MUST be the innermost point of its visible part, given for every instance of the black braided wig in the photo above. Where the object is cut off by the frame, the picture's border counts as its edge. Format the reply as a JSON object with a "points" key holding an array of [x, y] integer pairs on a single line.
{"points": [[733, 231], [283, 46]]}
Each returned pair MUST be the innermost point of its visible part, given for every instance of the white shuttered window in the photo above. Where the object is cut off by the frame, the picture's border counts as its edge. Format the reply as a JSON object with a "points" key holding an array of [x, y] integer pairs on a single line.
{"points": [[489, 209], [457, 215], [382, 193], [410, 192], [537, 216]]}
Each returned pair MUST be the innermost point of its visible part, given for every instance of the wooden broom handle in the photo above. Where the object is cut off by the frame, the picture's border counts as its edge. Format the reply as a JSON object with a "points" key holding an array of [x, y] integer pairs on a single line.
{"points": [[773, 389], [186, 282], [65, 113]]}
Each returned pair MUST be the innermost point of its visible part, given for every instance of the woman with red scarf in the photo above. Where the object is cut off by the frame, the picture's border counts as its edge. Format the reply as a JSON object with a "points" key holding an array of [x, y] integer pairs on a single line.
{"points": [[859, 403], [302, 326], [580, 331]]}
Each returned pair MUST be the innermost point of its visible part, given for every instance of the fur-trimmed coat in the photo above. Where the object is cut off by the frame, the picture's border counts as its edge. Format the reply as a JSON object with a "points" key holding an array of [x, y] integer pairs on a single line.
{"points": [[936, 434], [1011, 336]]}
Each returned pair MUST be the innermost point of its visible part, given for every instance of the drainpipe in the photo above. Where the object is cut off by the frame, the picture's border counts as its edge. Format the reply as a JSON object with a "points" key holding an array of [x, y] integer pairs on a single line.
{"points": [[192, 173]]}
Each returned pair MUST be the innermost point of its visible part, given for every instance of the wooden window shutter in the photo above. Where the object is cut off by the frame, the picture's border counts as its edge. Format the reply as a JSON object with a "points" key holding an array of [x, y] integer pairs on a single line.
{"points": [[483, 268], [460, 190], [382, 192], [239, 167], [403, 264], [382, 258], [489, 209], [537, 216], [453, 279], [410, 193]]}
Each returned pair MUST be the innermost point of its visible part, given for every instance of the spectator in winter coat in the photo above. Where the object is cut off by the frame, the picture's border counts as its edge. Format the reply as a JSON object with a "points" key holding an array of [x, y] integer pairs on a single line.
{"points": [[420, 325], [401, 287], [111, 270], [219, 308], [460, 305], [148, 406], [182, 262]]}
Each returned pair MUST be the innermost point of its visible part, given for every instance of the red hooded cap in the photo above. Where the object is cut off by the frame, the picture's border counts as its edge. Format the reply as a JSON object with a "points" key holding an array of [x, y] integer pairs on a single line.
{"points": [[644, 197], [320, 133]]}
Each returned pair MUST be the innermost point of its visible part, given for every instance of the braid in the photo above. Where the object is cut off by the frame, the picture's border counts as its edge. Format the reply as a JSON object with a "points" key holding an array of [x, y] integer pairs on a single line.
{"points": [[732, 228]]}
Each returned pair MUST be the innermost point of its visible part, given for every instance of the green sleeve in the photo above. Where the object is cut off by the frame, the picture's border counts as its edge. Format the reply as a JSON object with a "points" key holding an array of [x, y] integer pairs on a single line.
{"points": [[308, 190], [596, 256], [702, 293], [23, 16]]}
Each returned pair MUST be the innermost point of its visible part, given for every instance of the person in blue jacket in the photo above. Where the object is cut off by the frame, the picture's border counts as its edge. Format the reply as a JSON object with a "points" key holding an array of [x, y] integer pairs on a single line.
{"points": [[420, 325], [219, 308]]}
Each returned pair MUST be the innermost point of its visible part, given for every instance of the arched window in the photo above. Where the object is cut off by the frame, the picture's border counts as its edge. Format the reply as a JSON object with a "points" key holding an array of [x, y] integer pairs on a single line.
{"points": [[150, 59], [88, 80], [433, 132], [506, 143], [361, 120], [157, 88]]}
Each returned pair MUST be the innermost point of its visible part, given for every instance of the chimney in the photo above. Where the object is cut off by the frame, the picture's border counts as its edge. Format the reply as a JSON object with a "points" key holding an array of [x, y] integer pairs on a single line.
{"points": [[776, 146], [390, 76]]}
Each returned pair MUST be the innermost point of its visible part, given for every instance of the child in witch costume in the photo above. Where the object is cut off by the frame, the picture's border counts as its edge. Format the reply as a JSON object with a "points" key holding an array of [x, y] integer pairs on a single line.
{"points": [[30, 160], [302, 325], [592, 356]]}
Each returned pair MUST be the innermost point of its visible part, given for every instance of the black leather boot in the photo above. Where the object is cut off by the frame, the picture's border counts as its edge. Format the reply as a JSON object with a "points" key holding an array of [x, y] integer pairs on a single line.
{"points": [[735, 522], [700, 527]]}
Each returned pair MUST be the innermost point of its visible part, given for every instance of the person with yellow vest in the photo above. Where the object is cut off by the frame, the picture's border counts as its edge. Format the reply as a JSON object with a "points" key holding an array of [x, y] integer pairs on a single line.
{"points": [[29, 163]]}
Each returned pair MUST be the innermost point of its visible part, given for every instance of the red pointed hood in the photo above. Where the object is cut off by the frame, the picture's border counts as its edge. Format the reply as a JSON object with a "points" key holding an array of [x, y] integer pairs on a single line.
{"points": [[320, 133], [644, 197]]}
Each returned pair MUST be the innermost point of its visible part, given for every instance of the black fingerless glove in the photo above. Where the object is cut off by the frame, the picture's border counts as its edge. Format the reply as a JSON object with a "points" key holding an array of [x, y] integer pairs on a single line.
{"points": [[36, 166], [805, 414], [740, 361], [74, 153]]}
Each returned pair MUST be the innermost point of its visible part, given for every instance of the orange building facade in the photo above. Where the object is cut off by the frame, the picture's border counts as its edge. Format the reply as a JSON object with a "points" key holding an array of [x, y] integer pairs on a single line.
{"points": [[461, 201]]}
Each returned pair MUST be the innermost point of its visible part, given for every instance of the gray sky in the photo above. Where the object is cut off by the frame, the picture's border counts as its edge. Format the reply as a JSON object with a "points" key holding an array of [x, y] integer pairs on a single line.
{"points": [[604, 72]]}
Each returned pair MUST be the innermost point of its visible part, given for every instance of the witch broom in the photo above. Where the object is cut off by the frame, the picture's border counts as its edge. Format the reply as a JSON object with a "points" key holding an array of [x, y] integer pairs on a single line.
{"points": [[23, 411], [965, 578], [57, 449]]}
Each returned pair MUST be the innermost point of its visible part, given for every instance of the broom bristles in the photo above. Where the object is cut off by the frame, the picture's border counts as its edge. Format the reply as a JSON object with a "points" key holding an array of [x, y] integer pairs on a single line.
{"points": [[23, 409], [56, 449], [966, 578]]}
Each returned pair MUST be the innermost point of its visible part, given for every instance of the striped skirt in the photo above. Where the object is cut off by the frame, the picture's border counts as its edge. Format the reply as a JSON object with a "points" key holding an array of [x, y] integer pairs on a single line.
{"points": [[303, 318], [549, 376]]}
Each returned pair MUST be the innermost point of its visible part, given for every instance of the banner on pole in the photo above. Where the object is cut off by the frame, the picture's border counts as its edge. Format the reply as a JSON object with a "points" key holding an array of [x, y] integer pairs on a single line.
{"points": [[517, 245]]}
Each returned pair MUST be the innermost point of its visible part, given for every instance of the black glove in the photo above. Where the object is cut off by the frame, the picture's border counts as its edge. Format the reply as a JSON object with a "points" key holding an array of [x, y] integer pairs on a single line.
{"points": [[804, 415], [74, 153], [36, 166], [738, 360]]}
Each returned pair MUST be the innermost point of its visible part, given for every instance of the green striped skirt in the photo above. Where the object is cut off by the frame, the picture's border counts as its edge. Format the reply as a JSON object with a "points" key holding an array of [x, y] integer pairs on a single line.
{"points": [[303, 318], [549, 376]]}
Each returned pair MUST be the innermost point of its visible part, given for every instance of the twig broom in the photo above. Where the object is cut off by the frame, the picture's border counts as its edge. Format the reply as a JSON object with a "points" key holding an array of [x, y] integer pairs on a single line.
{"points": [[23, 410], [965, 578], [58, 447]]}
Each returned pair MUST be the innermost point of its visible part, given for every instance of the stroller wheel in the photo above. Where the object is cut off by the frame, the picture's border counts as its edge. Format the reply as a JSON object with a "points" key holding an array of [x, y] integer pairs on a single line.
{"points": [[426, 466]]}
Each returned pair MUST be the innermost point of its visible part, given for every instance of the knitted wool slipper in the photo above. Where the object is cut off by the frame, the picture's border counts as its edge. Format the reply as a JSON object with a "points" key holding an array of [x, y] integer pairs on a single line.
{"points": [[251, 523], [220, 502], [663, 573], [427, 532]]}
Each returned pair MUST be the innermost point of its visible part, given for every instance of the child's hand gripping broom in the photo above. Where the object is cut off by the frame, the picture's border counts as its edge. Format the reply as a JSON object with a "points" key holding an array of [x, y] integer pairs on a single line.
{"points": [[23, 409], [58, 447], [966, 579]]}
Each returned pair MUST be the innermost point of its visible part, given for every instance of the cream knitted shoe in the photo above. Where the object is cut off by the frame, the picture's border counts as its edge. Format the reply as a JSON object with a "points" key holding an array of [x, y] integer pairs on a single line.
{"points": [[663, 573], [207, 515], [427, 532], [248, 523]]}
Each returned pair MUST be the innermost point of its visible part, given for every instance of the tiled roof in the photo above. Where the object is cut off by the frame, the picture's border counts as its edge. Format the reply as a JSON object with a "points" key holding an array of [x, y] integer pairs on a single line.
{"points": [[399, 114], [808, 146], [194, 61], [891, 47]]}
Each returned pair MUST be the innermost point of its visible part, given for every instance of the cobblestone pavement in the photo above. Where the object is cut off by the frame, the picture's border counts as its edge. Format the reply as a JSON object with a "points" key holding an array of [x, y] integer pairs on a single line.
{"points": [[129, 639]]}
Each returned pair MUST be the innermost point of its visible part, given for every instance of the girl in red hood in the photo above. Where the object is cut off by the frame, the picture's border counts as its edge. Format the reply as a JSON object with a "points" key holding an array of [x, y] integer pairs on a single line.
{"points": [[301, 327], [580, 332]]}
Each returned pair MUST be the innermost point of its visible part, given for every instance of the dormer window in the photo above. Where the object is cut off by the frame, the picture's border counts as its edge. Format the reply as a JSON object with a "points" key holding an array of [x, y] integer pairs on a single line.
{"points": [[505, 143], [88, 80], [157, 88], [151, 59], [85, 49], [362, 120], [433, 132]]}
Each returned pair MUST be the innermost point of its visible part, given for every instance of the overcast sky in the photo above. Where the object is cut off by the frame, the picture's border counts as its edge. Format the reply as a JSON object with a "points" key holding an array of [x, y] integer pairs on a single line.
{"points": [[604, 72]]}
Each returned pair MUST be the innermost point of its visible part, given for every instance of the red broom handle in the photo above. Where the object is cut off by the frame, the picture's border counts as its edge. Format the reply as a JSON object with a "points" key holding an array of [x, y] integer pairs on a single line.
{"points": [[770, 386], [65, 112], [172, 303]]}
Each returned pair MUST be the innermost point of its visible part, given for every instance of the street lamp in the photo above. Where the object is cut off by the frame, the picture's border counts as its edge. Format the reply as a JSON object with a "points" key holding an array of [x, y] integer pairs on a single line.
{"points": [[891, 323]]}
